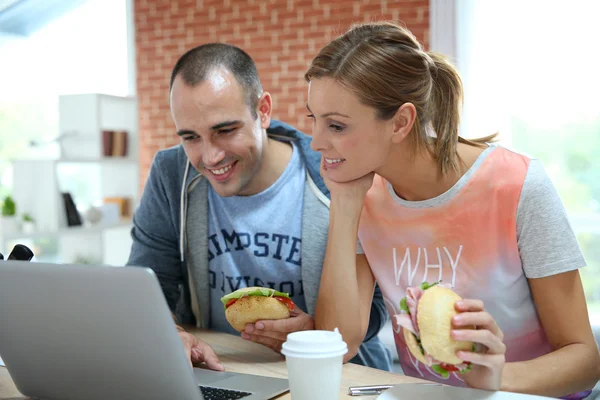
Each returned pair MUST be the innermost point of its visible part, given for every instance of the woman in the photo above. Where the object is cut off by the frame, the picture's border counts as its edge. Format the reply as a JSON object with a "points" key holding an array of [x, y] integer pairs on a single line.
{"points": [[428, 205]]}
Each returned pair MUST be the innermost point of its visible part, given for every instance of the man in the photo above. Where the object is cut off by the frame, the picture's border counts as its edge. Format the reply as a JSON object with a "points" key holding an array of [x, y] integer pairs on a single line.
{"points": [[238, 203]]}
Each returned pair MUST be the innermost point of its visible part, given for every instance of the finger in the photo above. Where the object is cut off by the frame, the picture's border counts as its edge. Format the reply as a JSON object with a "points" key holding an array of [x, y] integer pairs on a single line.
{"points": [[483, 336], [300, 322], [469, 305], [487, 360], [297, 312], [273, 344], [187, 346], [202, 352], [480, 319], [280, 336]]}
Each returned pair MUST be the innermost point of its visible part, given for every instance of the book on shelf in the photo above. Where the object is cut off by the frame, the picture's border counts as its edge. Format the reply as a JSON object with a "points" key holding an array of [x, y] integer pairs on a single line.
{"points": [[114, 143], [73, 216], [123, 204]]}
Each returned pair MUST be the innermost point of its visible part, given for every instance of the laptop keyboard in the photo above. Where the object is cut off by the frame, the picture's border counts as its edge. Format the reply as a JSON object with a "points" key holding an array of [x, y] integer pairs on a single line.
{"points": [[211, 393]]}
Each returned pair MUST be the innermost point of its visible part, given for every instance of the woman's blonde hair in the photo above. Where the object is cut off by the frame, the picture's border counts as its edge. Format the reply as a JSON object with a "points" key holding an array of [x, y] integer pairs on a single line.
{"points": [[385, 65]]}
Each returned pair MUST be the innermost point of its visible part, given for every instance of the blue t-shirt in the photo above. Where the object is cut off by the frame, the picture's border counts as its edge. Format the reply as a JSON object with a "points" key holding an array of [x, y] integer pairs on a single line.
{"points": [[256, 241]]}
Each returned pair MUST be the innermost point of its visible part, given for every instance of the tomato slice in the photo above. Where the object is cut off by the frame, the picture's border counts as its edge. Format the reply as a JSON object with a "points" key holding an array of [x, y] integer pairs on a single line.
{"points": [[448, 367], [287, 301], [230, 302]]}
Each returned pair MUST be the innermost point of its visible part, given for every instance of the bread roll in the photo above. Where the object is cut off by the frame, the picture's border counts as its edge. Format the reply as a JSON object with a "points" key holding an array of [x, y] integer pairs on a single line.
{"points": [[434, 317], [249, 309]]}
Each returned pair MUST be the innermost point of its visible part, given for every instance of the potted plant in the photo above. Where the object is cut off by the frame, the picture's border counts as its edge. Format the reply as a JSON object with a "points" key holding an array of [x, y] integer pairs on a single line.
{"points": [[8, 224], [28, 224]]}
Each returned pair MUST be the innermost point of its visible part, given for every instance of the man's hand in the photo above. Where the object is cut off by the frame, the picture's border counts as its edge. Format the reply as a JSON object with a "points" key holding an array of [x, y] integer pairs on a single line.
{"points": [[198, 351], [272, 333]]}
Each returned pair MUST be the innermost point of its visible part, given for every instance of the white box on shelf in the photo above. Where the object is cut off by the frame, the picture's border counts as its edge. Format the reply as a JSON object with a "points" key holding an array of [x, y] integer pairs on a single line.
{"points": [[79, 123], [120, 180], [81, 246], [36, 192], [117, 245], [83, 118]]}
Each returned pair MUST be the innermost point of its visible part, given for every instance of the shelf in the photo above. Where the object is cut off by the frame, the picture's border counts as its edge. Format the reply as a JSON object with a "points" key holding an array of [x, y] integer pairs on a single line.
{"points": [[126, 160], [98, 160], [90, 177], [73, 230]]}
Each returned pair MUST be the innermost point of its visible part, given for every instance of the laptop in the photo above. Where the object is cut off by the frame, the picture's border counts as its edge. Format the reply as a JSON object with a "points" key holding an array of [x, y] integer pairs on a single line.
{"points": [[98, 332]]}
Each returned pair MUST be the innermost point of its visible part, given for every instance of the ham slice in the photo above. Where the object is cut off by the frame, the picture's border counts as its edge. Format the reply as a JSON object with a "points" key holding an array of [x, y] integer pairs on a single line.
{"points": [[413, 294], [405, 321], [430, 360]]}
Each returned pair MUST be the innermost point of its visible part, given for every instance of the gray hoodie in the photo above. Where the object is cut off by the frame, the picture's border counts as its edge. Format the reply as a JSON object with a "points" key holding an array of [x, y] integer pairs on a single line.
{"points": [[175, 247]]}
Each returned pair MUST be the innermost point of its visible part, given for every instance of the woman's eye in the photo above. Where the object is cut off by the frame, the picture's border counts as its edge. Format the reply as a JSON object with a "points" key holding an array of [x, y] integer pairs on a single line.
{"points": [[311, 116], [336, 128]]}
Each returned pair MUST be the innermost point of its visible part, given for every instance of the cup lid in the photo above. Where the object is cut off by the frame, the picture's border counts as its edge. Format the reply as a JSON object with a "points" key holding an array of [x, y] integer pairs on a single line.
{"points": [[314, 344]]}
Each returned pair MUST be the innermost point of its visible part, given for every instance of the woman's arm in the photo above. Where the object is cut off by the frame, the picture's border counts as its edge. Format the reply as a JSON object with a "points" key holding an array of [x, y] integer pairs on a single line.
{"points": [[574, 364], [347, 284]]}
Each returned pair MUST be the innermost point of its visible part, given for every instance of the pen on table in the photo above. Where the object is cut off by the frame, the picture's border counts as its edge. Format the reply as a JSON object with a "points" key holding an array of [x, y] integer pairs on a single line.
{"points": [[367, 390], [377, 389]]}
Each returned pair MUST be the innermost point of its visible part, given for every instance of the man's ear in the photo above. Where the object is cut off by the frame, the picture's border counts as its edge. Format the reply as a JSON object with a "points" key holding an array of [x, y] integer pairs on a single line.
{"points": [[264, 109], [403, 122]]}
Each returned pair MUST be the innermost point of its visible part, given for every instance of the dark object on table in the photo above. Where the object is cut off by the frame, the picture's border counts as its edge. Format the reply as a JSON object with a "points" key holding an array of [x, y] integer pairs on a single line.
{"points": [[21, 253]]}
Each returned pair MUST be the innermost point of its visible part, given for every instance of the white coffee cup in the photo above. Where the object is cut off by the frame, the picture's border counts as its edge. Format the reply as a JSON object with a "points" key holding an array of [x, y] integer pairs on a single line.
{"points": [[314, 361]]}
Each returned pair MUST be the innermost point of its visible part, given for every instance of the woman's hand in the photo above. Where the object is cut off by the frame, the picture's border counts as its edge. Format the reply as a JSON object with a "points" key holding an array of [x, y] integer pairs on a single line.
{"points": [[487, 365], [350, 194]]}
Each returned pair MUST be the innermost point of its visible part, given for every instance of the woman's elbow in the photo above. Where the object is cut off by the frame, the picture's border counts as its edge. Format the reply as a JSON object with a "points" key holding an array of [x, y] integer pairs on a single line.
{"points": [[352, 352], [595, 364], [597, 369]]}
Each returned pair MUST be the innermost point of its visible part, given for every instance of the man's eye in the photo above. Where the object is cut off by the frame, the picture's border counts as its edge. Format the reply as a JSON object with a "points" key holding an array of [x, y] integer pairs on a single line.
{"points": [[311, 116], [190, 138], [226, 131]]}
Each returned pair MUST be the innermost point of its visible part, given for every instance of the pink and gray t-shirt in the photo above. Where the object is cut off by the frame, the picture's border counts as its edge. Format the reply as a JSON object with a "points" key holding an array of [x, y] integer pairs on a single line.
{"points": [[501, 223]]}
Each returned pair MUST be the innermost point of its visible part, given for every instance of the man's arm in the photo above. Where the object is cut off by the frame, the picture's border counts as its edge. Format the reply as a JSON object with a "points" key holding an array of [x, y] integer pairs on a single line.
{"points": [[155, 236], [179, 327], [156, 246]]}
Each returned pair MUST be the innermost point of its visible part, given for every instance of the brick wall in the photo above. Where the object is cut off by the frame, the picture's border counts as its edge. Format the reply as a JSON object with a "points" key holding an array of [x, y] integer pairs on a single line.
{"points": [[281, 36]]}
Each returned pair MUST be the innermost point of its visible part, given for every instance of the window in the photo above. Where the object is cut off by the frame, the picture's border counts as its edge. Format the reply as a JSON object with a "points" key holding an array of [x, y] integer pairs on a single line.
{"points": [[85, 50], [531, 71], [82, 51]]}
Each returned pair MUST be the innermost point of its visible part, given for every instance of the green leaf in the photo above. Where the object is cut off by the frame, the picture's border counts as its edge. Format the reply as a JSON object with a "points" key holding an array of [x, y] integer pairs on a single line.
{"points": [[404, 305], [440, 371], [9, 207], [426, 285], [238, 294], [465, 370]]}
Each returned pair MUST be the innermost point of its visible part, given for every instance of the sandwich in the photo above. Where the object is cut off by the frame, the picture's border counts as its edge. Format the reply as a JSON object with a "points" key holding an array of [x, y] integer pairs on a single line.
{"points": [[426, 321], [248, 305]]}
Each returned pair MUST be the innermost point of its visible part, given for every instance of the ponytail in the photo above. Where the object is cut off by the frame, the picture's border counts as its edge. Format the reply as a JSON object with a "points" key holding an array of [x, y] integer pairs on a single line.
{"points": [[446, 104]]}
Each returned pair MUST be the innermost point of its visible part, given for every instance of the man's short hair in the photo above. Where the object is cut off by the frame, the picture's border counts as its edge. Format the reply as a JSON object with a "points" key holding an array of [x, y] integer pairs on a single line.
{"points": [[198, 62]]}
